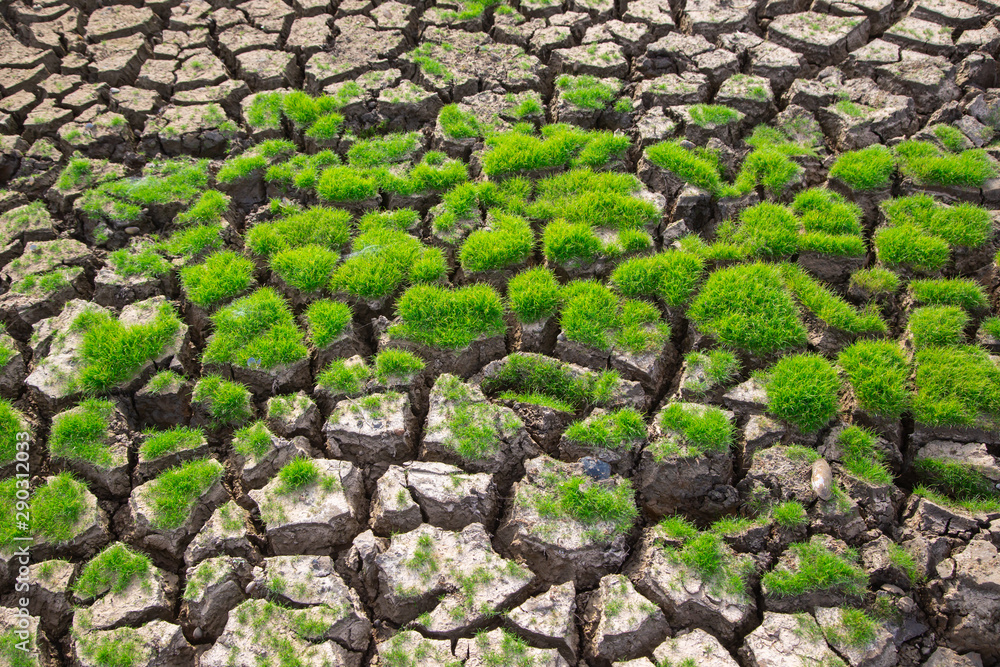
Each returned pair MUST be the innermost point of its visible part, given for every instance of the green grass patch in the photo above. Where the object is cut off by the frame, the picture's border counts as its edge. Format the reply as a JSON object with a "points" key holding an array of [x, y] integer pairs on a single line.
{"points": [[802, 390], [259, 326], [382, 261], [340, 377], [208, 209], [82, 433], [692, 167], [746, 307], [396, 365], [536, 374], [174, 493], [307, 268], [175, 439], [937, 326], [720, 368], [964, 293], [818, 569], [876, 281], [318, 225], [508, 153], [458, 124], [611, 430], [907, 245], [220, 277], [929, 165], [829, 307], [870, 168], [671, 276], [595, 316], [112, 571], [12, 422], [226, 402], [856, 629], [991, 325], [252, 441], [57, 507], [955, 386], [823, 210], [297, 474], [861, 457], [587, 92], [327, 320], [533, 295], [878, 371], [789, 514], [707, 115], [767, 167], [112, 353], [508, 242], [720, 570], [387, 149], [145, 262], [195, 240], [346, 184], [589, 502], [701, 429], [448, 318]]}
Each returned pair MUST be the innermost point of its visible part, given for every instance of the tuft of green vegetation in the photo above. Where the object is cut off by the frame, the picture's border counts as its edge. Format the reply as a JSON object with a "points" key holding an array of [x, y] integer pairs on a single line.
{"points": [[298, 473], [878, 372], [671, 276], [768, 167], [12, 422], [595, 316], [991, 326], [861, 457], [112, 352], [227, 402], [816, 569], [856, 629], [588, 502], [536, 374], [220, 277], [396, 364], [719, 366], [612, 430], [194, 241], [458, 124], [706, 115], [207, 210], [967, 294], [720, 570], [690, 166], [920, 231], [259, 326], [701, 429], [343, 378], [174, 439], [789, 514], [876, 281], [829, 307], [383, 259], [112, 571], [174, 493], [533, 294], [383, 150], [146, 262], [318, 225], [507, 242], [929, 165], [955, 386], [508, 153], [82, 433], [802, 390], [961, 482], [937, 325], [327, 320], [870, 168], [307, 268], [57, 507], [448, 318], [587, 92], [252, 441], [746, 307]]}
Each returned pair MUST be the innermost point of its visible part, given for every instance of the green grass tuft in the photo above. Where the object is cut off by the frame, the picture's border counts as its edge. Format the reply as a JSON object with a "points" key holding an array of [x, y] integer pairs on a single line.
{"points": [[327, 320], [587, 92], [112, 353], [955, 386], [870, 168], [613, 430], [937, 325], [226, 402], [219, 278], [861, 457], [802, 390], [174, 439], [318, 225], [687, 165], [878, 372], [259, 326], [174, 493], [964, 293], [818, 569], [307, 268], [448, 318], [702, 429], [533, 294], [57, 507], [81, 433], [112, 570]]}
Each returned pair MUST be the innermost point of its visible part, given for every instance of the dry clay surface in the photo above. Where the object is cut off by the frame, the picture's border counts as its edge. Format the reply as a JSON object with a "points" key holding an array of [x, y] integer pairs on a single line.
{"points": [[522, 332]]}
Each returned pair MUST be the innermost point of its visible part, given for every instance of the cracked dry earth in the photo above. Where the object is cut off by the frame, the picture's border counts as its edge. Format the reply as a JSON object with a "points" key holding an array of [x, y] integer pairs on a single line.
{"points": [[520, 332]]}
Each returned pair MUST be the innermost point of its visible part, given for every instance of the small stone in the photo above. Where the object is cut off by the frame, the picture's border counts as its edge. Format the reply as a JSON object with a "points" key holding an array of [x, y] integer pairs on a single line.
{"points": [[595, 469], [115, 91], [132, 231], [822, 479]]}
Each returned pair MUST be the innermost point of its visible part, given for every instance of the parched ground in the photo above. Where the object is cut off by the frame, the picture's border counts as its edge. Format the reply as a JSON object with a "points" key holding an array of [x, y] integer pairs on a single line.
{"points": [[678, 342]]}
